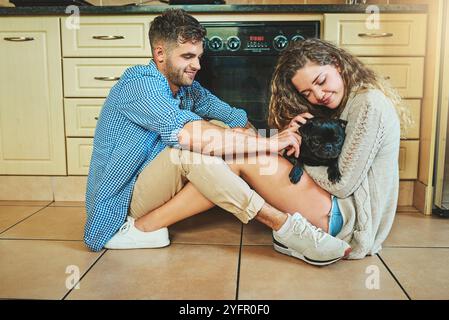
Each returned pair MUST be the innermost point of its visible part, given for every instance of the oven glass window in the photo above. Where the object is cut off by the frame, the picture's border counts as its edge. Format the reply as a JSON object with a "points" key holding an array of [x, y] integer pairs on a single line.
{"points": [[242, 82]]}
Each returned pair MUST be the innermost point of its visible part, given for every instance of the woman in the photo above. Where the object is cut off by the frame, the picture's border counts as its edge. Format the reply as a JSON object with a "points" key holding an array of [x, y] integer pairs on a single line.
{"points": [[329, 81]]}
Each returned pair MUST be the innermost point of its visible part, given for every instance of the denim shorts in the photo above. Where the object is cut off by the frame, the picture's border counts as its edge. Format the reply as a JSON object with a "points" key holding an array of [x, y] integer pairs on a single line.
{"points": [[335, 218]]}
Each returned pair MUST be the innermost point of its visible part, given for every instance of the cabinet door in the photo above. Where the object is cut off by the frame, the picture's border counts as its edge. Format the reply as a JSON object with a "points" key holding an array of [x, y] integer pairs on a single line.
{"points": [[94, 77], [31, 109], [383, 34], [104, 36], [79, 152]]}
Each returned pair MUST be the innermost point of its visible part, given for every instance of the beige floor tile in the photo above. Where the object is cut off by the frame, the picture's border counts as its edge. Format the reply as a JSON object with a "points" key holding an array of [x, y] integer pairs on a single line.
{"points": [[24, 203], [418, 230], [214, 226], [57, 223], [423, 272], [68, 204], [267, 274], [10, 215], [176, 272], [35, 269], [256, 233]]}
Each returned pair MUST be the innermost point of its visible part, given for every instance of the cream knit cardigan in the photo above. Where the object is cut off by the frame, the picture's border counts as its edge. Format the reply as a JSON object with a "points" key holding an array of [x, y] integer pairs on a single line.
{"points": [[368, 190]]}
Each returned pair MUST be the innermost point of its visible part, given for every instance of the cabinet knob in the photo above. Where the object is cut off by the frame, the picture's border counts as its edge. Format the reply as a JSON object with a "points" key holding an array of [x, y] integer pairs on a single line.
{"points": [[18, 39], [108, 37], [375, 35], [107, 78]]}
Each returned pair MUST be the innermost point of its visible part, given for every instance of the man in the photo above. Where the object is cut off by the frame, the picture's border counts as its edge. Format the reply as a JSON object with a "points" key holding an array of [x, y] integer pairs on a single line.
{"points": [[143, 145]]}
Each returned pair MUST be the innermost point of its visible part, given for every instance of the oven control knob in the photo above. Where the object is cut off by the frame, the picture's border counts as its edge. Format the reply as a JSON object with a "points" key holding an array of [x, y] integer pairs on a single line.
{"points": [[280, 42], [298, 37], [233, 43], [215, 43]]}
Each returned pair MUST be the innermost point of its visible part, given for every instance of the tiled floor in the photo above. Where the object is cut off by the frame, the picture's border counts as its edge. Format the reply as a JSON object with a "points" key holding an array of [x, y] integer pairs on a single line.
{"points": [[212, 256]]}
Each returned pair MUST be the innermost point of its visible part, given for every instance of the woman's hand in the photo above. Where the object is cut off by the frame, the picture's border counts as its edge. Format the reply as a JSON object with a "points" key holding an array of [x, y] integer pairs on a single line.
{"points": [[299, 120]]}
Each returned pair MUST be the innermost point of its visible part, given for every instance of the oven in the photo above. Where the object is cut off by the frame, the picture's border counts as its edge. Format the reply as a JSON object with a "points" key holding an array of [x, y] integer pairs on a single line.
{"points": [[239, 60]]}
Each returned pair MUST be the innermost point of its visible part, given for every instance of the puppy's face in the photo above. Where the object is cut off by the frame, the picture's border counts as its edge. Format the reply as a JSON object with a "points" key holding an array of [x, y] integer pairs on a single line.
{"points": [[323, 137]]}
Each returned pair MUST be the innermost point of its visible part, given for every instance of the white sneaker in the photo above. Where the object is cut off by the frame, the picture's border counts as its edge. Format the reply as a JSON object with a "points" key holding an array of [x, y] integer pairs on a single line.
{"points": [[129, 237], [309, 243]]}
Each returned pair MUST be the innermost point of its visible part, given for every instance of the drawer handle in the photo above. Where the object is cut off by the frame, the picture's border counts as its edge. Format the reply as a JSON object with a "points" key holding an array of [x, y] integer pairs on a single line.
{"points": [[18, 39], [96, 118], [108, 37], [387, 78], [375, 35], [107, 78]]}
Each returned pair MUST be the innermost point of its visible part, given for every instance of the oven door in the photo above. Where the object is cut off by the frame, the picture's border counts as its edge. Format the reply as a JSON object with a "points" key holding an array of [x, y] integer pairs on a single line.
{"points": [[241, 81]]}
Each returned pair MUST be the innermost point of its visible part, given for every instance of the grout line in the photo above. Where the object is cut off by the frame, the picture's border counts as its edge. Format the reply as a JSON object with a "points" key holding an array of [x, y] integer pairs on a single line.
{"points": [[26, 218], [85, 273], [394, 277], [239, 263]]}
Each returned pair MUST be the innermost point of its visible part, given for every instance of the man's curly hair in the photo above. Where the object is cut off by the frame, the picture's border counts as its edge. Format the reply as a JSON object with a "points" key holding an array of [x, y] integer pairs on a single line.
{"points": [[175, 26]]}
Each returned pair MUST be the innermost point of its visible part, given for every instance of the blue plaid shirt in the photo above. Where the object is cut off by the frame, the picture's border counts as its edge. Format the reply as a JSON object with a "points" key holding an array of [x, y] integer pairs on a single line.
{"points": [[139, 119]]}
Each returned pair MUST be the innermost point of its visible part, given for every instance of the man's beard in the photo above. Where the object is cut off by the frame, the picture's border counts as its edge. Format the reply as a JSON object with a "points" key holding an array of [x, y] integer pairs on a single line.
{"points": [[176, 76]]}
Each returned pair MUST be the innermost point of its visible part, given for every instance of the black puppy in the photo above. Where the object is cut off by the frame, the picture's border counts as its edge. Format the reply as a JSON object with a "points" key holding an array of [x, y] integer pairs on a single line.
{"points": [[321, 144]]}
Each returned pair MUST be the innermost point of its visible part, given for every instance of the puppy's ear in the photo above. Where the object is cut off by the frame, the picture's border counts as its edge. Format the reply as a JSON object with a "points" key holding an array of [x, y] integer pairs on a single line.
{"points": [[343, 123]]}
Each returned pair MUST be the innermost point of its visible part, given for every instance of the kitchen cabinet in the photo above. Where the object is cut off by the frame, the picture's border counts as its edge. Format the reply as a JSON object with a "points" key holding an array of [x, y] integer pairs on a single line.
{"points": [[31, 111]]}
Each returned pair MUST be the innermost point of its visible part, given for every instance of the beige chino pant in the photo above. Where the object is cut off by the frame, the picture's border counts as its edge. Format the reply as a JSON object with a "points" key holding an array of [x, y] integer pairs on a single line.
{"points": [[167, 174]]}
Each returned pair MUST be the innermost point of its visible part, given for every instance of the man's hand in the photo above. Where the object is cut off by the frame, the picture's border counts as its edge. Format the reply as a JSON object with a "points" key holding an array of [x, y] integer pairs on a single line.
{"points": [[287, 139]]}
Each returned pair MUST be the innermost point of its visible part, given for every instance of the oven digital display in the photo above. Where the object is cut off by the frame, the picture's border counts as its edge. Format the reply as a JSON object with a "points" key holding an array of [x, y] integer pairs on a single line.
{"points": [[256, 38]]}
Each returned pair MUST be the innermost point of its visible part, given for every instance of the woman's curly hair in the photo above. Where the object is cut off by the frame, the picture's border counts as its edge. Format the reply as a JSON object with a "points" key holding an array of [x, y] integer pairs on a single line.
{"points": [[286, 102]]}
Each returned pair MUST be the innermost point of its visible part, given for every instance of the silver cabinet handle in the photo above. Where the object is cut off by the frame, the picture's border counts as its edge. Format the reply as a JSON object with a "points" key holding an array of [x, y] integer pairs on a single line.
{"points": [[18, 39], [108, 37], [107, 78], [375, 35]]}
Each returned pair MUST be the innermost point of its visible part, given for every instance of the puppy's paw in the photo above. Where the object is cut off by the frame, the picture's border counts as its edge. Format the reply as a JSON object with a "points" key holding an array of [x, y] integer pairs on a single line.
{"points": [[295, 174], [334, 176]]}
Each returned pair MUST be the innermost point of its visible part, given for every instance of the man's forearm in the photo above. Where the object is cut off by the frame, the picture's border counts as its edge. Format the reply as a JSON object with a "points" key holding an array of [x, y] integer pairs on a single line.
{"points": [[207, 138]]}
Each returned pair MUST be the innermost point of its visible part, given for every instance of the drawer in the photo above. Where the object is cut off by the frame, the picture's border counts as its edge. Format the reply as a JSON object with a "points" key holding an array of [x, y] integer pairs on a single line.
{"points": [[107, 37], [408, 159], [94, 77], [405, 74], [81, 116], [79, 152], [414, 106], [393, 35]]}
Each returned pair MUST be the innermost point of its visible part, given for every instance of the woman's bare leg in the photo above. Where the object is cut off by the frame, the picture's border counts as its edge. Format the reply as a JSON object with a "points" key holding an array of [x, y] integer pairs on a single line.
{"points": [[305, 197]]}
